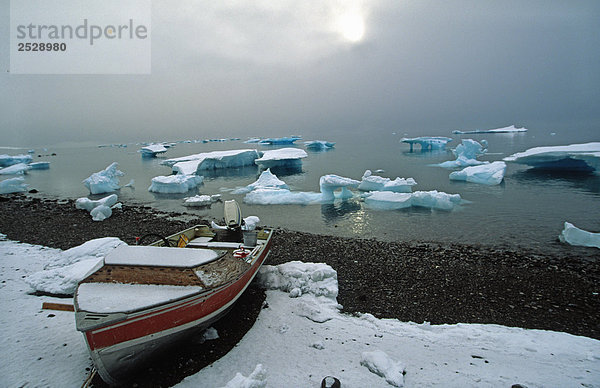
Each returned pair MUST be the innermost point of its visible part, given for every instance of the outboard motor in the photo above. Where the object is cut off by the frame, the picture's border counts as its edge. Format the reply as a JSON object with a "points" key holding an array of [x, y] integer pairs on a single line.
{"points": [[233, 221]]}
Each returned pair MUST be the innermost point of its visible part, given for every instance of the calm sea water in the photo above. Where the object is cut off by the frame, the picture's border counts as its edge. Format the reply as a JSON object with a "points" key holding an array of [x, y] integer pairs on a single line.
{"points": [[526, 211]]}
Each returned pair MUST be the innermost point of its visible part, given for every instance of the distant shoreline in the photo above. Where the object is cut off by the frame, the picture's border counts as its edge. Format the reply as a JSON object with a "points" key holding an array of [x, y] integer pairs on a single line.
{"points": [[417, 281]]}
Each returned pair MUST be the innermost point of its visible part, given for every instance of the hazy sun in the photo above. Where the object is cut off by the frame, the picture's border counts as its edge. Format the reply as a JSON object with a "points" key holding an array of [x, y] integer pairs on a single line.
{"points": [[352, 27]]}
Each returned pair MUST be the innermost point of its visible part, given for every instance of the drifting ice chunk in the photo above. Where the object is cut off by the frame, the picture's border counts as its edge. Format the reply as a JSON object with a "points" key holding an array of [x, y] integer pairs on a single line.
{"points": [[466, 154], [13, 185], [213, 160], [280, 140], [318, 145], [8, 160], [39, 165], [15, 169], [579, 237], [104, 181], [427, 142], [487, 174], [435, 199], [282, 157], [382, 365], [574, 157], [376, 183], [329, 183], [266, 180], [387, 200], [152, 150], [173, 184], [511, 129], [100, 209], [201, 200], [272, 196]]}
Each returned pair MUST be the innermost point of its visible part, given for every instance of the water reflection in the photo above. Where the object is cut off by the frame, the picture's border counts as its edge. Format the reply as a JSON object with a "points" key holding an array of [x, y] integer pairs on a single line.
{"points": [[231, 172], [332, 212], [584, 181]]}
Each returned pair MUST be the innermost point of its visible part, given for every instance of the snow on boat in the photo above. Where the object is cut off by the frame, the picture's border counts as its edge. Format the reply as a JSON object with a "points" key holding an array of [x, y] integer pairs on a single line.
{"points": [[144, 298]]}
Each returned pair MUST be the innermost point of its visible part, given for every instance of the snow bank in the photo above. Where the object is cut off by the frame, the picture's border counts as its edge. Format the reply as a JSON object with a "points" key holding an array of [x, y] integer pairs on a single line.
{"points": [[286, 157], [19, 168], [385, 200], [104, 181], [9, 160], [173, 184], [213, 160], [372, 182], [579, 237], [257, 379], [13, 185], [428, 142], [382, 365], [574, 157], [486, 174], [100, 209], [298, 278], [266, 180], [318, 145], [466, 154], [510, 129]]}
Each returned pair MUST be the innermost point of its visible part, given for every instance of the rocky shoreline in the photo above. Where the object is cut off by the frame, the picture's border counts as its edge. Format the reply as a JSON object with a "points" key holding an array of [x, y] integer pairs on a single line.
{"points": [[417, 281]]}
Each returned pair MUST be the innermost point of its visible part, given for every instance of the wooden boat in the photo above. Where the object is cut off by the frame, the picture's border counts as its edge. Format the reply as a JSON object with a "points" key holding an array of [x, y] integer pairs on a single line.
{"points": [[141, 299]]}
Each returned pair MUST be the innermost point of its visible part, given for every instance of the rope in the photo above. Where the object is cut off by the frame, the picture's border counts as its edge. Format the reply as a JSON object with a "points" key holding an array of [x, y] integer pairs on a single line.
{"points": [[89, 379]]}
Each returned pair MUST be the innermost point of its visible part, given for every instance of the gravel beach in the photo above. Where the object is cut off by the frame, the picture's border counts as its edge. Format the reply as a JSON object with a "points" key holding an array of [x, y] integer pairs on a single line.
{"points": [[416, 281]]}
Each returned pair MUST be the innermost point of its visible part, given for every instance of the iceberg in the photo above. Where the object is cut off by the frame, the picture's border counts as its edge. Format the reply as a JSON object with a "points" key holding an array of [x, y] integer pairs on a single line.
{"points": [[201, 200], [272, 196], [9, 160], [100, 209], [175, 184], [427, 142], [510, 129], [486, 174], [372, 182], [330, 183], [212, 160], [15, 169], [152, 150], [289, 157], [279, 140], [104, 181], [388, 200], [466, 154], [318, 145], [266, 180], [39, 165], [435, 199], [579, 237], [13, 185], [573, 157]]}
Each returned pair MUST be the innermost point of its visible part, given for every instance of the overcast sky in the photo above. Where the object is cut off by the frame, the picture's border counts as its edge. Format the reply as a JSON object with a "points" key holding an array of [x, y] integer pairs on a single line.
{"points": [[282, 67]]}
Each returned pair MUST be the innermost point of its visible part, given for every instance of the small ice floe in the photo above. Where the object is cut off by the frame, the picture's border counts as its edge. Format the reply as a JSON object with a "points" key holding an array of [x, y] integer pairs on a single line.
{"points": [[574, 236], [427, 142], [253, 140], [283, 157], [9, 160], [100, 209], [15, 169], [266, 180], [466, 154], [330, 183], [201, 200], [256, 379], [486, 174], [13, 185], [574, 157], [174, 184], [279, 140], [510, 129], [386, 200], [104, 181], [150, 151], [192, 164], [39, 165], [382, 365], [318, 145], [372, 182]]}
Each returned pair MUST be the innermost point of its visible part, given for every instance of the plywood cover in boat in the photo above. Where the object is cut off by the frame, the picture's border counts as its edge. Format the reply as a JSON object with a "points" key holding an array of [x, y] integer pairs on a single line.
{"points": [[159, 256]]}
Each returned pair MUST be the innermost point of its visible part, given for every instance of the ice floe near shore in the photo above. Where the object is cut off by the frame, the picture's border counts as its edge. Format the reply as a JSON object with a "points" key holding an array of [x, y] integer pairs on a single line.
{"points": [[574, 157], [574, 236], [15, 169], [9, 160], [13, 185], [372, 182], [486, 174], [152, 150], [175, 184], [104, 181], [318, 145], [286, 157], [201, 200], [266, 180], [193, 164], [509, 129], [386, 200]]}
